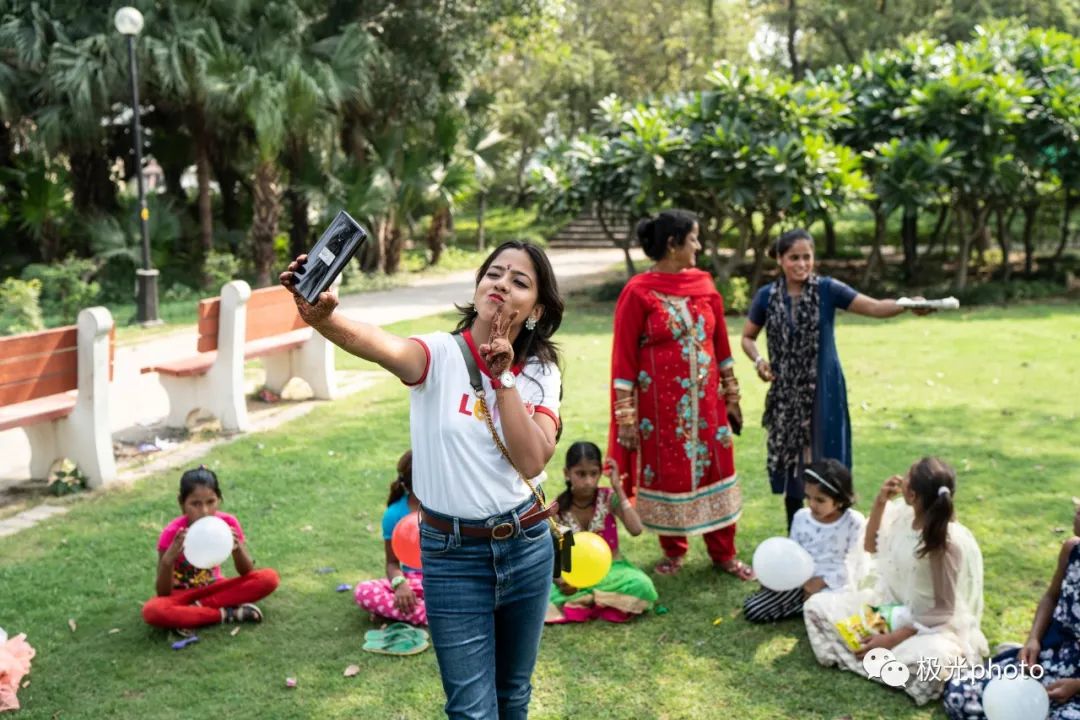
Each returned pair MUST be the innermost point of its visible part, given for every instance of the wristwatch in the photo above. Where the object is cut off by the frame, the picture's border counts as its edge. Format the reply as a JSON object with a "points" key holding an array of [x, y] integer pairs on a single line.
{"points": [[507, 379], [397, 582]]}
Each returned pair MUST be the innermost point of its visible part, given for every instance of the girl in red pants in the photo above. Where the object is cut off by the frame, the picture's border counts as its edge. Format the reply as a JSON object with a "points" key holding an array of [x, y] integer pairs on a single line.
{"points": [[189, 597]]}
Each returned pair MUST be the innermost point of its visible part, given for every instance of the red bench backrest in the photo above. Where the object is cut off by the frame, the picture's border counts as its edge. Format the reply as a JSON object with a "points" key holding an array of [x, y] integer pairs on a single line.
{"points": [[37, 364], [270, 311]]}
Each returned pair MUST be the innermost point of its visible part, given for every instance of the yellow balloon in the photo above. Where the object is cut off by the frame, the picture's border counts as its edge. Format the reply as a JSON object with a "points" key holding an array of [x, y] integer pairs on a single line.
{"points": [[590, 560]]}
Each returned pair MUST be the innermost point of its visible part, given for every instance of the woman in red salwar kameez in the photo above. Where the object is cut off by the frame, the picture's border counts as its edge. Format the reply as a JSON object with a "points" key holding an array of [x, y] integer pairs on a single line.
{"points": [[673, 394]]}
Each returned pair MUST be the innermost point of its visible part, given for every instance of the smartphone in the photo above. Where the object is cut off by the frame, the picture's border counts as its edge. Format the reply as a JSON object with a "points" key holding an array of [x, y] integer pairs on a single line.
{"points": [[339, 242]]}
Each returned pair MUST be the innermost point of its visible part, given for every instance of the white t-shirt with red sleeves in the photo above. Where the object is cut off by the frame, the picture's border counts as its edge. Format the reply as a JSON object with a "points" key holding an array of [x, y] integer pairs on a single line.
{"points": [[457, 468]]}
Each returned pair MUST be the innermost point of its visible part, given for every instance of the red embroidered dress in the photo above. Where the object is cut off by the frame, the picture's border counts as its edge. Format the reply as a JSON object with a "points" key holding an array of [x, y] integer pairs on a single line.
{"points": [[669, 345]]}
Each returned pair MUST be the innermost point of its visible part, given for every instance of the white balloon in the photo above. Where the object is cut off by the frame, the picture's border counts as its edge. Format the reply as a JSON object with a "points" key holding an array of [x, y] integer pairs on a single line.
{"points": [[3, 636], [781, 564], [1015, 699], [208, 542]]}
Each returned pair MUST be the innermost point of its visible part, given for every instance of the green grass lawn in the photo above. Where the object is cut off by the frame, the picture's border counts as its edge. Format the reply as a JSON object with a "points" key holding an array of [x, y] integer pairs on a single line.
{"points": [[993, 391]]}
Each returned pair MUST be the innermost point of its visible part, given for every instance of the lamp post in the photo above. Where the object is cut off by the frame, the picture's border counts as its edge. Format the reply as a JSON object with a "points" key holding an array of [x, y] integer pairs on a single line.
{"points": [[129, 23]]}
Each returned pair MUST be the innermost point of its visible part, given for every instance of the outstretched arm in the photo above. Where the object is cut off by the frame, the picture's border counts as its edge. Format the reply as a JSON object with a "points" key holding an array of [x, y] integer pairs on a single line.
{"points": [[869, 307], [402, 357]]}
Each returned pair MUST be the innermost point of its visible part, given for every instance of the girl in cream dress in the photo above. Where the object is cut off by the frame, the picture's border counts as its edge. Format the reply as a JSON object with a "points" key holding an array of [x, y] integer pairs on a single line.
{"points": [[926, 561]]}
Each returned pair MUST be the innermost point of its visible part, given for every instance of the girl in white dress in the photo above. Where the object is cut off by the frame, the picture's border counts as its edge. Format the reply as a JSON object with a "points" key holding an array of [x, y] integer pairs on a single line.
{"points": [[831, 531], [924, 560]]}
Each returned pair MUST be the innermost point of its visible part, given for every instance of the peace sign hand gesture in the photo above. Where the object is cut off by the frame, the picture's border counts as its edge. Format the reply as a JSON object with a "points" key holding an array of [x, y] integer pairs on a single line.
{"points": [[498, 352]]}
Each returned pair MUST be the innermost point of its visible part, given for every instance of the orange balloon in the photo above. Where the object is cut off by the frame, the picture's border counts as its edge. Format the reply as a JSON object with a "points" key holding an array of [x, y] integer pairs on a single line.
{"points": [[405, 542]]}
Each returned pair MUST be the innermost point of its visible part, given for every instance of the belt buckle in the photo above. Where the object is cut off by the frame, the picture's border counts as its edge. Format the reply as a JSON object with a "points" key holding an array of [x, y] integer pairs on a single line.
{"points": [[502, 531]]}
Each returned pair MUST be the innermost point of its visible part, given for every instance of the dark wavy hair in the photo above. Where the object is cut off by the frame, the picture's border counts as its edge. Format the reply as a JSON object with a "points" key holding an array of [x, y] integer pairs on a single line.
{"points": [[926, 478], [835, 474], [653, 233], [784, 242], [402, 484], [578, 452], [536, 342], [201, 476]]}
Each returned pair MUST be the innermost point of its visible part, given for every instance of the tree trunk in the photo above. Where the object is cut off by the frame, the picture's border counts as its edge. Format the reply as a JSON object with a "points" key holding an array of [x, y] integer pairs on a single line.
{"points": [[759, 242], [910, 238], [1031, 211], [978, 227], [830, 235], [91, 188], [880, 226], [372, 254], [436, 231], [481, 209], [623, 244], [792, 32], [206, 211], [228, 180], [1070, 203], [1003, 224], [523, 161], [721, 270], [266, 212], [299, 225], [395, 242], [939, 227]]}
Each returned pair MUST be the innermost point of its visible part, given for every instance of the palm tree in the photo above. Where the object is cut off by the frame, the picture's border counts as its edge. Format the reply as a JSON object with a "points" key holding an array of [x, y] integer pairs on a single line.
{"points": [[179, 50], [62, 85], [284, 89]]}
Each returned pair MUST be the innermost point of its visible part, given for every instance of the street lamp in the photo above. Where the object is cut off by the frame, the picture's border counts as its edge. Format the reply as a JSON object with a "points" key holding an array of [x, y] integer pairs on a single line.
{"points": [[129, 23]]}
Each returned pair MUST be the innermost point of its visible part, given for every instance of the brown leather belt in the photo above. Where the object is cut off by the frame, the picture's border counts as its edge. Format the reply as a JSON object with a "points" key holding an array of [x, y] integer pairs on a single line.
{"points": [[502, 531]]}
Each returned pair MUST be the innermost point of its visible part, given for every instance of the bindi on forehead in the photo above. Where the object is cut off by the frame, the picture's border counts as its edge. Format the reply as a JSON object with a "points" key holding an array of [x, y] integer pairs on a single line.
{"points": [[509, 267]]}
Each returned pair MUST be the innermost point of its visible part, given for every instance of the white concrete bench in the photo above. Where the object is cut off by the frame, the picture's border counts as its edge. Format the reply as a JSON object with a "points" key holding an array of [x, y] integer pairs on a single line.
{"points": [[238, 326], [54, 385]]}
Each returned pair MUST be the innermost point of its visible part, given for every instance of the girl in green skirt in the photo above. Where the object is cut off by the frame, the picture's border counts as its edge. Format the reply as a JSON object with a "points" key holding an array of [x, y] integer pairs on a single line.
{"points": [[625, 591]]}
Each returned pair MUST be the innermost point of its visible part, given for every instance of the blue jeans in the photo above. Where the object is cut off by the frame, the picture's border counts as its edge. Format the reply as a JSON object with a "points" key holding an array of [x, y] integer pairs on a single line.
{"points": [[486, 601]]}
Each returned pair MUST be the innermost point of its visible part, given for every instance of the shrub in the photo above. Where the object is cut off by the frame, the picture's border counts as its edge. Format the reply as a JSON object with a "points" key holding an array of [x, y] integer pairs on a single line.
{"points": [[736, 293], [219, 268], [66, 286], [608, 291], [19, 308]]}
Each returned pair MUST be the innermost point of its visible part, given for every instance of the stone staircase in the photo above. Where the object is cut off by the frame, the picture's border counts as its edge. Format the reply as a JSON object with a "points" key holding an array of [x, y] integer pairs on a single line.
{"points": [[585, 231]]}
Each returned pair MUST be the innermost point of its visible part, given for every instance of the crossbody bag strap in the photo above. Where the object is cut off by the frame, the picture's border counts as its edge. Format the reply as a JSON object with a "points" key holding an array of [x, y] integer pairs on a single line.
{"points": [[478, 389]]}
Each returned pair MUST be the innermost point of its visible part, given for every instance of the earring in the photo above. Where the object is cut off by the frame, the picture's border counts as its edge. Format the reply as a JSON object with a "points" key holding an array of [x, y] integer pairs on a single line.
{"points": [[530, 323]]}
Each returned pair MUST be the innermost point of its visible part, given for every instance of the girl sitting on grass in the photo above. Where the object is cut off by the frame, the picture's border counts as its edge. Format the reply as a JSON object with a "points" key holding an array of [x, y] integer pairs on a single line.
{"points": [[400, 596], [831, 531], [190, 597], [927, 562], [625, 591]]}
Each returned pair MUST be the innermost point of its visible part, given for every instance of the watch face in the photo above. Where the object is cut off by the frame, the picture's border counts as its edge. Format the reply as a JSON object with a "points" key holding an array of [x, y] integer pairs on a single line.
{"points": [[507, 379]]}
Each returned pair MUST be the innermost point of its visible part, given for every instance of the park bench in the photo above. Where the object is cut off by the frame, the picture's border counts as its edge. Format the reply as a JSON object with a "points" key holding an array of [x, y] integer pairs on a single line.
{"points": [[54, 385], [241, 325]]}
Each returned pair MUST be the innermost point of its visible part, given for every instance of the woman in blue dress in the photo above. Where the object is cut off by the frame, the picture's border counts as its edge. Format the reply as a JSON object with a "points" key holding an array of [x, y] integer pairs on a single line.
{"points": [[806, 413], [1053, 645]]}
